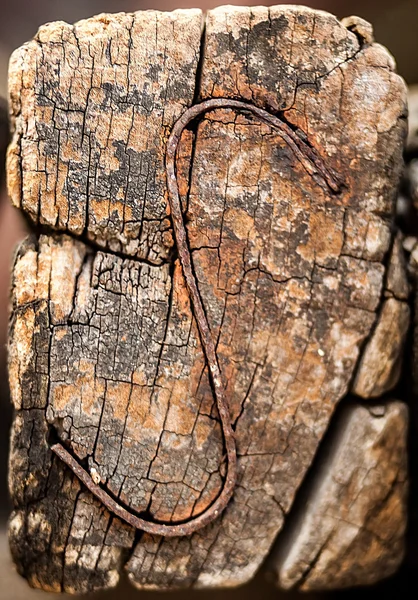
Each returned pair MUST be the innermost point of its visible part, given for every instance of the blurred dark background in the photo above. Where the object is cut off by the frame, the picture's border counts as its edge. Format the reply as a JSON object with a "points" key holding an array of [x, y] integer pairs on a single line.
{"points": [[395, 25]]}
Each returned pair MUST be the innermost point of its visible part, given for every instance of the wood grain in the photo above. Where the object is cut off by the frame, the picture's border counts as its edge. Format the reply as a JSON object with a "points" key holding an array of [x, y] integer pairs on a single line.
{"points": [[105, 354]]}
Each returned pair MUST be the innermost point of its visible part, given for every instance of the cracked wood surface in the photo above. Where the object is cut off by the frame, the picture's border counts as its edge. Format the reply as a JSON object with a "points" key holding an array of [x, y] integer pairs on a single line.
{"points": [[352, 529], [104, 350]]}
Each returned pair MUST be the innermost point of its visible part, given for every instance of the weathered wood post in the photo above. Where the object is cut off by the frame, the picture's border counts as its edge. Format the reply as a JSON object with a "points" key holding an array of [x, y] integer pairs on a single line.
{"points": [[287, 187]]}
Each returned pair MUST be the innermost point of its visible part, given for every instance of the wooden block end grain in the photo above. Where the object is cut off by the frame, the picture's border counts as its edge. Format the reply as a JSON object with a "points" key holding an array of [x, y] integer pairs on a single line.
{"points": [[105, 353]]}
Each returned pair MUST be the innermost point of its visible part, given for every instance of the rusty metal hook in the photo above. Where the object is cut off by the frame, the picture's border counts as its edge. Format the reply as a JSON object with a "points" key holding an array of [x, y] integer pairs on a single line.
{"points": [[315, 166]]}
